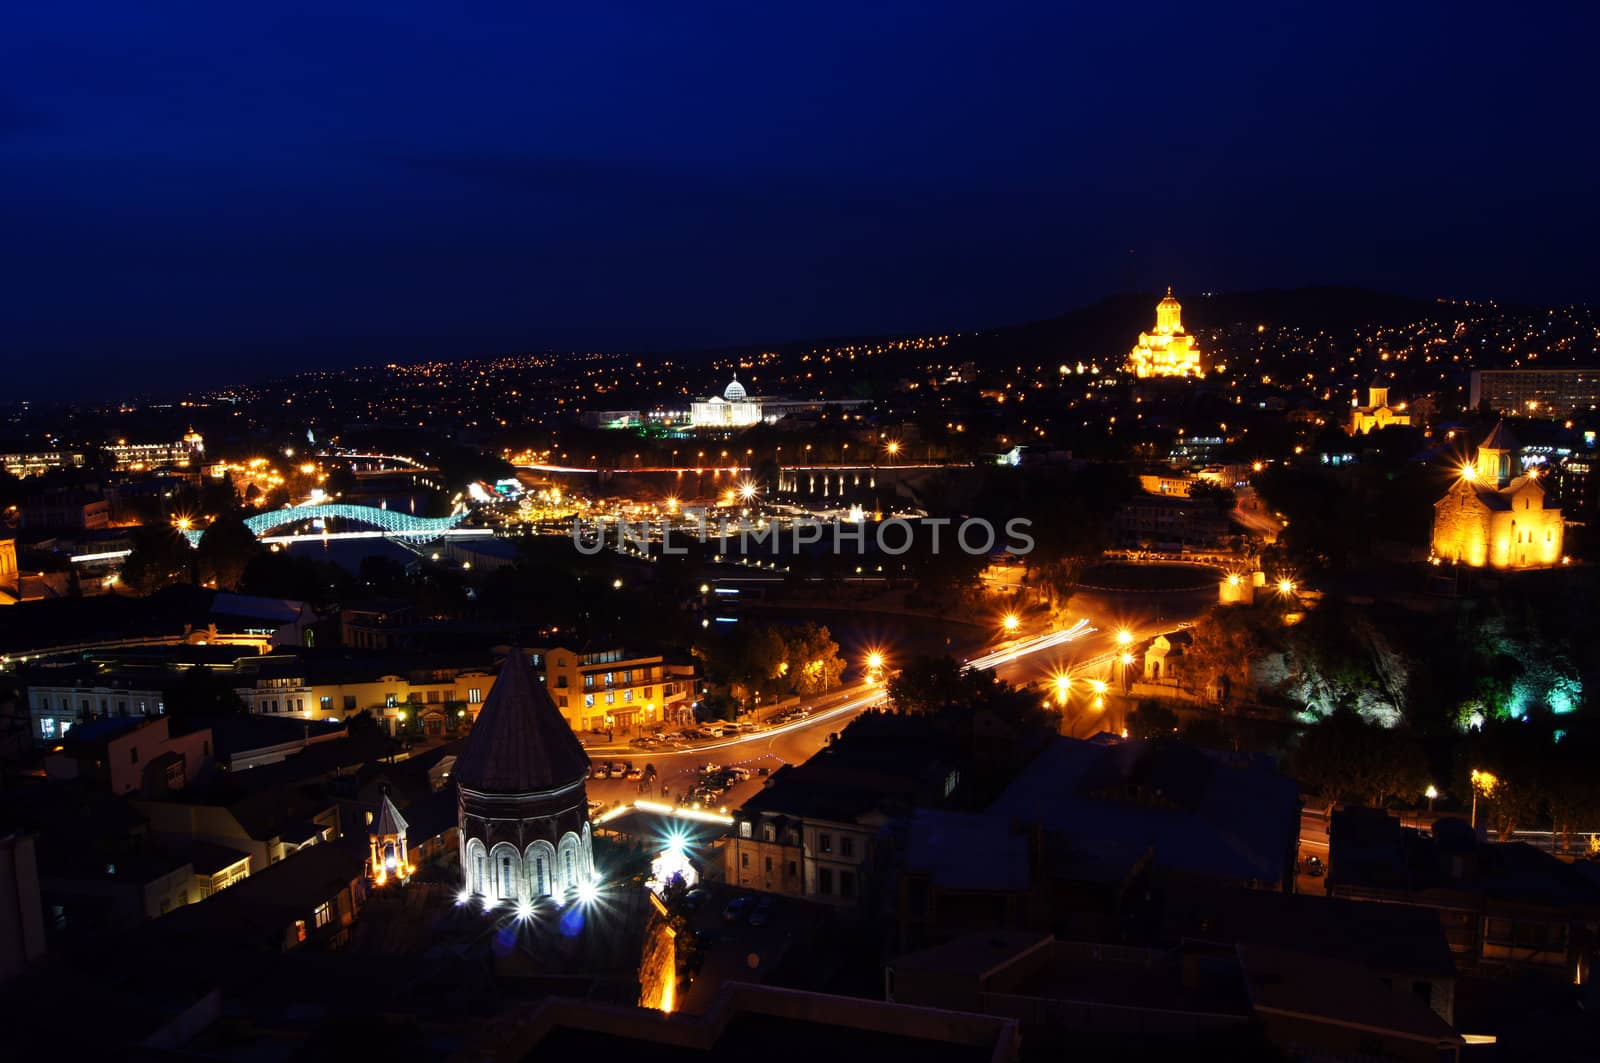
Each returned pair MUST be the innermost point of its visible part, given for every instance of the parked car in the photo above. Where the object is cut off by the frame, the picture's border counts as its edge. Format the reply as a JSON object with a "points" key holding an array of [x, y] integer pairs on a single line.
{"points": [[737, 907], [695, 898], [642, 743], [762, 913], [739, 774], [707, 769], [635, 774], [619, 768], [600, 771]]}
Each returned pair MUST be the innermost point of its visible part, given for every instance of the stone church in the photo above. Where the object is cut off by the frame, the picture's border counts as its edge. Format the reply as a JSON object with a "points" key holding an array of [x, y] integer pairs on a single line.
{"points": [[523, 803], [1495, 514]]}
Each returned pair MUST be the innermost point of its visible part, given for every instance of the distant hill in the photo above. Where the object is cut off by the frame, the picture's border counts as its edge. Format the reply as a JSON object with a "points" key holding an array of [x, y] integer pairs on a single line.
{"points": [[1108, 328]]}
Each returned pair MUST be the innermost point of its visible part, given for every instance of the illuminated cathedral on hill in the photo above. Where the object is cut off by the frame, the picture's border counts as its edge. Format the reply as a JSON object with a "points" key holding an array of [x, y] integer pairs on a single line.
{"points": [[1497, 515], [1168, 350]]}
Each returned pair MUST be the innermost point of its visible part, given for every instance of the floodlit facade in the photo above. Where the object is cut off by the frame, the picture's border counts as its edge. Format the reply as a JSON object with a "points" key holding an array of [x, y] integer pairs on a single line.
{"points": [[1493, 518], [1377, 413], [1168, 351], [732, 409]]}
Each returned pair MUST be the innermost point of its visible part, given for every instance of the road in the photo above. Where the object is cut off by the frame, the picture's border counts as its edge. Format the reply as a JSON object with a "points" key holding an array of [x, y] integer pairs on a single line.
{"points": [[792, 743]]}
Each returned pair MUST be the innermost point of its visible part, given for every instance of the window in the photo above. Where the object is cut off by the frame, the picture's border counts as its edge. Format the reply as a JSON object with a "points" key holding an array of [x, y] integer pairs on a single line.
{"points": [[562, 700], [349, 703], [588, 681], [326, 701], [588, 701], [561, 682], [391, 701], [793, 869], [847, 883], [475, 696], [744, 860], [611, 679], [133, 754], [47, 728], [324, 913], [769, 833], [825, 880], [769, 865], [649, 692], [744, 828], [627, 695], [435, 697], [825, 842], [847, 845], [611, 697]]}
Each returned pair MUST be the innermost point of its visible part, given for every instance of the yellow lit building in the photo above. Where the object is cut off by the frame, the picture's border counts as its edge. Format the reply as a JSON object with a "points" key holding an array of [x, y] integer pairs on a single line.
{"points": [[1377, 413], [1492, 517], [1167, 351], [613, 690]]}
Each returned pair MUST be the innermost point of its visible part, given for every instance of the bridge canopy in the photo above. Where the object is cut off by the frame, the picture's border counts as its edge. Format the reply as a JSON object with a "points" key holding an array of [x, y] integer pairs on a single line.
{"points": [[388, 520]]}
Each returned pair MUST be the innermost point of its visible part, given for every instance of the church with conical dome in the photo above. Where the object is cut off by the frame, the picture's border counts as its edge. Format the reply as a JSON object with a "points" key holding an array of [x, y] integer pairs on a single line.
{"points": [[1168, 351], [523, 802], [1497, 515]]}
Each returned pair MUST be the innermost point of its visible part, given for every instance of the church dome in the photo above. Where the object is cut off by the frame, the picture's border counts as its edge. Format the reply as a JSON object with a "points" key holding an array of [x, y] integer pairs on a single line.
{"points": [[519, 743], [734, 391]]}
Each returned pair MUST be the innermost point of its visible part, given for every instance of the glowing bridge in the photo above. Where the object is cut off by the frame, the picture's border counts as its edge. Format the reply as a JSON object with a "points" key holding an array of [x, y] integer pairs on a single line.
{"points": [[386, 521]]}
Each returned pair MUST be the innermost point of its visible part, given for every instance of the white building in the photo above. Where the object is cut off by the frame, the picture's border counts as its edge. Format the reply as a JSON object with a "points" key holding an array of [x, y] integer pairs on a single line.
{"points": [[732, 409]]}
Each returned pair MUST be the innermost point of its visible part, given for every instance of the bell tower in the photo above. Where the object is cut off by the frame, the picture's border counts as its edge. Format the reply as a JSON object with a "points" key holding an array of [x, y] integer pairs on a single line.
{"points": [[1497, 454]]}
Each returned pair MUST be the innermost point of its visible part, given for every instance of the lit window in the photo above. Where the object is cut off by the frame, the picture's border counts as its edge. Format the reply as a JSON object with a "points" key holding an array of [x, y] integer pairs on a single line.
{"points": [[47, 728], [324, 914]]}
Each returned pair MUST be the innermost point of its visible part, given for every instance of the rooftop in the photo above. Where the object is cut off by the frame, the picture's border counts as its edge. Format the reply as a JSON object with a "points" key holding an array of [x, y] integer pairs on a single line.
{"points": [[519, 743], [1198, 811]]}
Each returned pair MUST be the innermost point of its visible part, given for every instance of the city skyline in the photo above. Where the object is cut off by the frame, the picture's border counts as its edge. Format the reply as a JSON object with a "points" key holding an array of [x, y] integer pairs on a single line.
{"points": [[267, 195]]}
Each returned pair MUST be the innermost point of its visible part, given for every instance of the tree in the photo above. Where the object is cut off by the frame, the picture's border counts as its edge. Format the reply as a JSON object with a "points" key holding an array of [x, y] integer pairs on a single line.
{"points": [[1151, 719], [1220, 651], [1346, 757], [811, 658], [227, 547], [160, 557], [202, 694]]}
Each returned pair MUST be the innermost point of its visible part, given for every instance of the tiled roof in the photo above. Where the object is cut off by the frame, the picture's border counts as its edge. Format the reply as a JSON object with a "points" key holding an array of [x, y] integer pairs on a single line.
{"points": [[519, 743], [1500, 438], [390, 821]]}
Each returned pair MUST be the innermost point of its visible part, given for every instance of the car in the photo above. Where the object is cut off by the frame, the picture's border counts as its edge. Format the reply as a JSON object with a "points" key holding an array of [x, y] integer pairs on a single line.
{"points": [[635, 774], [763, 771], [738, 906], [762, 913], [600, 771], [738, 774], [708, 769], [713, 731], [642, 743], [695, 898]]}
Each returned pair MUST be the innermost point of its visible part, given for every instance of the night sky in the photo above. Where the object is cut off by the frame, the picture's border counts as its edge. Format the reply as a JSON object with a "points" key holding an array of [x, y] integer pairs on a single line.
{"points": [[227, 191]]}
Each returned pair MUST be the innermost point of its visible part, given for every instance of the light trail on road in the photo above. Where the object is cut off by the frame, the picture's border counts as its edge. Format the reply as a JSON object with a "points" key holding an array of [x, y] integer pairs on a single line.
{"points": [[871, 695]]}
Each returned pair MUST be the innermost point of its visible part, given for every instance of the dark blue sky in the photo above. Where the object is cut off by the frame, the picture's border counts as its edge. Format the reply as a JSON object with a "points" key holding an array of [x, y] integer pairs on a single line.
{"points": [[228, 190]]}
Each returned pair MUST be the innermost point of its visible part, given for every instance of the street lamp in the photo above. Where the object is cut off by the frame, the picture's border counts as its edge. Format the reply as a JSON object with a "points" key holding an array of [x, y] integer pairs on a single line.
{"points": [[1482, 782], [1011, 622], [1431, 793], [1124, 638], [1286, 586]]}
